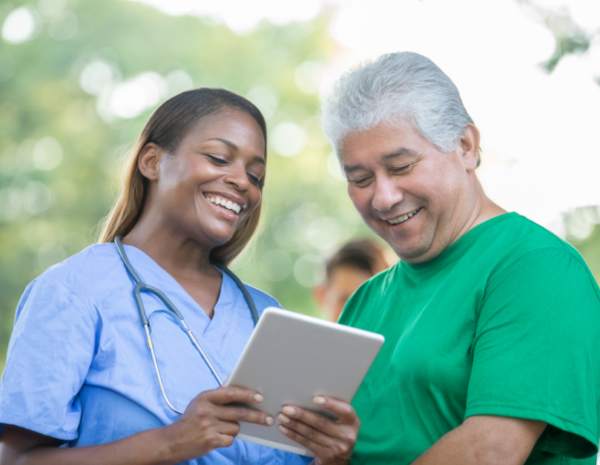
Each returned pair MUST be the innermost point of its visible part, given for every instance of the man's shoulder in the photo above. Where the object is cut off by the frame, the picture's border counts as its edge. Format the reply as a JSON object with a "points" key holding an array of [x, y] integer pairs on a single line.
{"points": [[517, 236]]}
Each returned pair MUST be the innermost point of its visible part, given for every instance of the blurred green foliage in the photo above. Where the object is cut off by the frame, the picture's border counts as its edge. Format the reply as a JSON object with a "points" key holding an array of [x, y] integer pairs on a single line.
{"points": [[61, 148], [48, 213]]}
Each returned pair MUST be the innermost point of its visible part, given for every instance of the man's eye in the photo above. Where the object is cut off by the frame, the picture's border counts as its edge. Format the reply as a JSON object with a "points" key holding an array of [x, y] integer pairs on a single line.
{"points": [[360, 181], [402, 169], [255, 180]]}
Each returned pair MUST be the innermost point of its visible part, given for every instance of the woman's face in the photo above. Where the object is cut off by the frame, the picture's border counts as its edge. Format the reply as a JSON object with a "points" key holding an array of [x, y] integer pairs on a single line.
{"points": [[209, 186]]}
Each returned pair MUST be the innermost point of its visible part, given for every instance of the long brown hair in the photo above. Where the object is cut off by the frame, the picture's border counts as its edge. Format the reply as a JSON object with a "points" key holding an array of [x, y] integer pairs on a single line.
{"points": [[166, 128]]}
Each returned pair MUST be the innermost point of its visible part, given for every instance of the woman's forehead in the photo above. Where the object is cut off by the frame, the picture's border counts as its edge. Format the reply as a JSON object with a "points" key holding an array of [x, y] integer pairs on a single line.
{"points": [[233, 128]]}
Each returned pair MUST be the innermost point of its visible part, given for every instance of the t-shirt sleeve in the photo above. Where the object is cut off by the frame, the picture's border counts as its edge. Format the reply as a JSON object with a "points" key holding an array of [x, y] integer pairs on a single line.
{"points": [[49, 354], [536, 353]]}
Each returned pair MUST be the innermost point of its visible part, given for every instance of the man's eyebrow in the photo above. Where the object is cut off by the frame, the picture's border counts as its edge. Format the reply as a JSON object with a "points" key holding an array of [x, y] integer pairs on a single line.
{"points": [[236, 148], [396, 153]]}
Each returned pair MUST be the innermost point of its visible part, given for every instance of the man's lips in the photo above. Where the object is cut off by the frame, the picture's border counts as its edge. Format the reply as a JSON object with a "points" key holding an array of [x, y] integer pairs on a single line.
{"points": [[404, 217]]}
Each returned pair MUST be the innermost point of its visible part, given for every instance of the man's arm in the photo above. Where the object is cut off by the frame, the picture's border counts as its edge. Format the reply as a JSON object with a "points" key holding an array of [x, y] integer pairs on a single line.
{"points": [[483, 440]]}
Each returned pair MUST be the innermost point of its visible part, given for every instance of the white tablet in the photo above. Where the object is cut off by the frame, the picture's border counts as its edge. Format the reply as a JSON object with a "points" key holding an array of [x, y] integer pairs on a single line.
{"points": [[290, 358]]}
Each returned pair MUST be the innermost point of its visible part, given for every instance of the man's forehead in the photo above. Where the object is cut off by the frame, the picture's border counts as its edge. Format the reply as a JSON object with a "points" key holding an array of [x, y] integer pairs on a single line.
{"points": [[380, 145]]}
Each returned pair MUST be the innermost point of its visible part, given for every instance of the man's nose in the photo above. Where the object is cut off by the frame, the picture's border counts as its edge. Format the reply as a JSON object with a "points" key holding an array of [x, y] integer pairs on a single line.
{"points": [[387, 194]]}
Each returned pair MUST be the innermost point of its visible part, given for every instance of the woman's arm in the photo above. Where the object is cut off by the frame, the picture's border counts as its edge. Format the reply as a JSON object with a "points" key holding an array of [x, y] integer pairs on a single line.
{"points": [[23, 447], [483, 440], [206, 424]]}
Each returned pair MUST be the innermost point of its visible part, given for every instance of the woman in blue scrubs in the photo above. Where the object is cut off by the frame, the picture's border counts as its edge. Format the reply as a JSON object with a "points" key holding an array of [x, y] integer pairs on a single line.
{"points": [[79, 372]]}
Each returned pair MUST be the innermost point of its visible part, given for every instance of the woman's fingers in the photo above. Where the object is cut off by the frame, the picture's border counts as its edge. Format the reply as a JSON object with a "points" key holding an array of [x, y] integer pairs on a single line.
{"points": [[222, 397], [228, 394], [241, 413]]}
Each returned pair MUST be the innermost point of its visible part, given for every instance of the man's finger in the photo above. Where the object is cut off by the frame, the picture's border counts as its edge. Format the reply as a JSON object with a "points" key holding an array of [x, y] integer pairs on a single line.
{"points": [[314, 420], [344, 411], [306, 431]]}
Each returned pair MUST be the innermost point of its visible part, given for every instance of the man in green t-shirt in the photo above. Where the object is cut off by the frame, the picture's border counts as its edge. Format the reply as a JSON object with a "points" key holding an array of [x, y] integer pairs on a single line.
{"points": [[492, 323]]}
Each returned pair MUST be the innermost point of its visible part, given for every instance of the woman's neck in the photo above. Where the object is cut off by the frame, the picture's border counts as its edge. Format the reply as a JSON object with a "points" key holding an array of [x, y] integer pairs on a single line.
{"points": [[176, 253]]}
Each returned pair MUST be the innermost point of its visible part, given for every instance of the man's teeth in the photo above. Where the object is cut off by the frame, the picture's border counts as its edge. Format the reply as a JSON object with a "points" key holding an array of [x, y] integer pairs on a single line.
{"points": [[228, 204], [403, 218]]}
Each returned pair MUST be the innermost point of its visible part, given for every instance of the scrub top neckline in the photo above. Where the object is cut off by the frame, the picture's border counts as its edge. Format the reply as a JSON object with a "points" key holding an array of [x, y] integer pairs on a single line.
{"points": [[219, 318]]}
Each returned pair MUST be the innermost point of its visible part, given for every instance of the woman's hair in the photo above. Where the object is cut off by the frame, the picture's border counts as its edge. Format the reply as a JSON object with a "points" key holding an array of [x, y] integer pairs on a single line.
{"points": [[167, 127], [395, 87]]}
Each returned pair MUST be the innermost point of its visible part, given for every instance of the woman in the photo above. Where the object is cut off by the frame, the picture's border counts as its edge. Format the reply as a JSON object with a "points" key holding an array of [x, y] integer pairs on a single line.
{"points": [[79, 372]]}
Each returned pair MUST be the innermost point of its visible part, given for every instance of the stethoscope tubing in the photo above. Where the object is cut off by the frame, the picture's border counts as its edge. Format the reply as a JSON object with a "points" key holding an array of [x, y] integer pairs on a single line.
{"points": [[141, 286]]}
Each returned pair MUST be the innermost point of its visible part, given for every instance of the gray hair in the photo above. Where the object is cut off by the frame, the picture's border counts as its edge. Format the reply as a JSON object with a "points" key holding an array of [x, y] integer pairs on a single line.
{"points": [[397, 86]]}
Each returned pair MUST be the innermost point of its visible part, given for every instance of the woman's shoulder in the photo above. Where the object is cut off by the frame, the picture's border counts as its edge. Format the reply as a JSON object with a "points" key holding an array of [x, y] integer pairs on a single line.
{"points": [[81, 270]]}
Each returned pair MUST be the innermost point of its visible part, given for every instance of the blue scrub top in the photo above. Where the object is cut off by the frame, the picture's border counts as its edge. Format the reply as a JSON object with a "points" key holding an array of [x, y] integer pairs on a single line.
{"points": [[78, 367]]}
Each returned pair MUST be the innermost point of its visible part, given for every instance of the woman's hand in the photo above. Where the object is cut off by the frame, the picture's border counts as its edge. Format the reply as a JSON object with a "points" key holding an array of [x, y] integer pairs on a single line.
{"points": [[208, 423], [332, 442]]}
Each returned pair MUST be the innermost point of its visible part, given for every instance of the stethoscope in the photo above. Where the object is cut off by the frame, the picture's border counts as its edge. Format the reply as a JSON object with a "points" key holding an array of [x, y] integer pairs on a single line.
{"points": [[141, 286]]}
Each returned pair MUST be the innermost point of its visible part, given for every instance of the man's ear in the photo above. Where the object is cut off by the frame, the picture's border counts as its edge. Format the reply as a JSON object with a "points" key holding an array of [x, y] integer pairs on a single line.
{"points": [[469, 143], [149, 161]]}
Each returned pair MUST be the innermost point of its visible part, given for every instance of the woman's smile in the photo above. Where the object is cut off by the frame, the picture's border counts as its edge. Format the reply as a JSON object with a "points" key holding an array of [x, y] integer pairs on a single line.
{"points": [[227, 207]]}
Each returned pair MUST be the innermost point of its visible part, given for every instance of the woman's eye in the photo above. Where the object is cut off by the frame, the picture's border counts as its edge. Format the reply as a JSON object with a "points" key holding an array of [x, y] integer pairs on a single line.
{"points": [[216, 160], [255, 180]]}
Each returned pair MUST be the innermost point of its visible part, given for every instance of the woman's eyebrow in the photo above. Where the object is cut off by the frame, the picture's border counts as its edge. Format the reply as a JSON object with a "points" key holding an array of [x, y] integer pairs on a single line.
{"points": [[226, 142]]}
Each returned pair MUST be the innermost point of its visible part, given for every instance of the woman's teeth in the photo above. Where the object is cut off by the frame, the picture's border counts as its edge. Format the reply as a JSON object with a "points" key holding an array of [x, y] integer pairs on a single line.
{"points": [[403, 218], [228, 204]]}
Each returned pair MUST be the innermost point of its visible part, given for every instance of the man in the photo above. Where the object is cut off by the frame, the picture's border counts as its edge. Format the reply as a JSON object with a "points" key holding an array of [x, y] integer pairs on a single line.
{"points": [[492, 323], [349, 267]]}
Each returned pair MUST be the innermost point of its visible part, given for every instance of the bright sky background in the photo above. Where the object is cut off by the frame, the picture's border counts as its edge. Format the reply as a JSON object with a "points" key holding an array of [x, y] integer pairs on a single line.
{"points": [[539, 132]]}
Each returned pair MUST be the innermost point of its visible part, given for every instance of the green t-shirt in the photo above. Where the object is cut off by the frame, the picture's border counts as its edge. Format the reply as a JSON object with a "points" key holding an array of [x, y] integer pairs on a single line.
{"points": [[506, 321]]}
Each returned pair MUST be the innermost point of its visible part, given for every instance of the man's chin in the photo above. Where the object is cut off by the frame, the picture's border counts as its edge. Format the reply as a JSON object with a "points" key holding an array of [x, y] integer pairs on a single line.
{"points": [[415, 254]]}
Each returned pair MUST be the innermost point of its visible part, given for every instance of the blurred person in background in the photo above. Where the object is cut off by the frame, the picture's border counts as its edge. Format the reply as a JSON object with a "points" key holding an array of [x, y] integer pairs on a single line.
{"points": [[492, 323], [79, 371], [349, 267]]}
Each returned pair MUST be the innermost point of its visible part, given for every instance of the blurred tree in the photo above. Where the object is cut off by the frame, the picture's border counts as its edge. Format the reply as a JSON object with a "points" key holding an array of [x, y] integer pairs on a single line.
{"points": [[582, 229], [78, 80], [570, 37]]}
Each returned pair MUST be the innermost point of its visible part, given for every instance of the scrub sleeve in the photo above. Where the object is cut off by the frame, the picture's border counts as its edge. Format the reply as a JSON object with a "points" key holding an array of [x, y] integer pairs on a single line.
{"points": [[53, 340]]}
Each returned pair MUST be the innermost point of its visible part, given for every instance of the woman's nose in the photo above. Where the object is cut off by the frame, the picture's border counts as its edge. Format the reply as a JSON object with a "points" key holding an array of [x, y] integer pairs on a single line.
{"points": [[237, 176]]}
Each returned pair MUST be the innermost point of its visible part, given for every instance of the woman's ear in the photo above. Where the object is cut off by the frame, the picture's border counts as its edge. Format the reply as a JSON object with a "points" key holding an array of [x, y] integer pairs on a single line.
{"points": [[149, 161], [469, 143]]}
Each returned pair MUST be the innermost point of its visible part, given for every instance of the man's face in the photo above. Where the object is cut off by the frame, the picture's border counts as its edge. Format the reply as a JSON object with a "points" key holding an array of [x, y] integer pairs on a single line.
{"points": [[411, 194]]}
